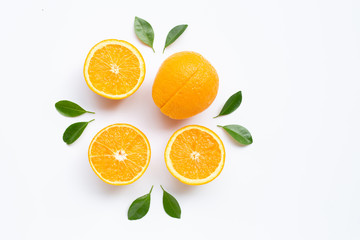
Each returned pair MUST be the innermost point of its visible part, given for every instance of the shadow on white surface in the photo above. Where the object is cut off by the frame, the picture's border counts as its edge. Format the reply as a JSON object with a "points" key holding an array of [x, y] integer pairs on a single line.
{"points": [[105, 103], [92, 184], [168, 123], [178, 188]]}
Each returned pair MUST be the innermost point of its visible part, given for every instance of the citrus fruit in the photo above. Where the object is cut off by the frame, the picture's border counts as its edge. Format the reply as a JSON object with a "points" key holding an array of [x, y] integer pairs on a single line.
{"points": [[185, 85], [114, 69], [195, 155], [119, 154]]}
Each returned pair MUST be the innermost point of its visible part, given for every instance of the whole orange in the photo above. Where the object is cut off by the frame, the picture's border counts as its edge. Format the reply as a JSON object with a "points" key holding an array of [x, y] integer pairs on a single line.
{"points": [[185, 85]]}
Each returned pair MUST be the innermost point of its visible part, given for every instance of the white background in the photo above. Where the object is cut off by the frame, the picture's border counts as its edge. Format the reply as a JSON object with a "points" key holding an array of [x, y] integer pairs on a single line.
{"points": [[297, 63]]}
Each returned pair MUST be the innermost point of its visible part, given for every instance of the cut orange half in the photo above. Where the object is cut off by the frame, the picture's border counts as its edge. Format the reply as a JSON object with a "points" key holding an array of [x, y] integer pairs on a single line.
{"points": [[119, 154], [195, 155], [114, 69]]}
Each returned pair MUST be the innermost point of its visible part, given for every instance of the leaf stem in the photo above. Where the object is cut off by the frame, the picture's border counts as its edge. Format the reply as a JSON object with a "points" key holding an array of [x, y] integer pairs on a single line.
{"points": [[153, 49], [91, 121], [90, 112], [219, 126], [162, 188], [216, 116], [151, 189]]}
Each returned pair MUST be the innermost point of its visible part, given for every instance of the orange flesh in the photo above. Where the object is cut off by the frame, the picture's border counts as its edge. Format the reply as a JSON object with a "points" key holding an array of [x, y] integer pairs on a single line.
{"points": [[195, 154], [114, 69], [119, 154]]}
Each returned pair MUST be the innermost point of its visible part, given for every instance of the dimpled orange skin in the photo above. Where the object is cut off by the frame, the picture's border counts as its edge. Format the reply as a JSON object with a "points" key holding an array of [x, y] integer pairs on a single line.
{"points": [[185, 85]]}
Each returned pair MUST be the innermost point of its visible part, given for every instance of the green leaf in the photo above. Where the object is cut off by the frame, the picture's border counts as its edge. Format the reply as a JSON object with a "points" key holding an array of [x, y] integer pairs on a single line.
{"points": [[174, 34], [239, 133], [140, 207], [69, 109], [231, 104], [144, 31], [171, 205], [74, 131]]}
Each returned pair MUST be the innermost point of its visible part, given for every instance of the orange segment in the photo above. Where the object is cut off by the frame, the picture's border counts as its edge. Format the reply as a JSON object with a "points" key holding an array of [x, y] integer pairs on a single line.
{"points": [[114, 69], [195, 155], [119, 154]]}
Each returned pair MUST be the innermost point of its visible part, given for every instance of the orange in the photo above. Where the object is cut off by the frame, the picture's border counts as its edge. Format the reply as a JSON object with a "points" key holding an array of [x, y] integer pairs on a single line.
{"points": [[119, 154], [195, 155], [114, 69], [185, 85]]}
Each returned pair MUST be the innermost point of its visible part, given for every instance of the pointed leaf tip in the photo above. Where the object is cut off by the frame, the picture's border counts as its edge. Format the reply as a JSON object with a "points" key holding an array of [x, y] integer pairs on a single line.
{"points": [[174, 34], [231, 104], [171, 205], [144, 32], [239, 133]]}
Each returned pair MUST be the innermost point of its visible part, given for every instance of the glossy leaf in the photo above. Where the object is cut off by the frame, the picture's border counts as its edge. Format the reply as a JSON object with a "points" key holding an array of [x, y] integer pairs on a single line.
{"points": [[140, 207], [144, 31], [74, 131], [171, 205], [174, 34], [70, 109], [239, 133], [231, 104]]}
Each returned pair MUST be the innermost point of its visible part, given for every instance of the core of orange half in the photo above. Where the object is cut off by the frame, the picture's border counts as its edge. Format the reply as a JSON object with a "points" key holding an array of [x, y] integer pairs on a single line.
{"points": [[114, 69], [195, 155], [119, 154]]}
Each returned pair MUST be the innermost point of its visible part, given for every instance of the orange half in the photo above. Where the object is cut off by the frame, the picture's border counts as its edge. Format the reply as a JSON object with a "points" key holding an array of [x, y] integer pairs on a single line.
{"points": [[119, 154], [114, 69], [195, 155]]}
